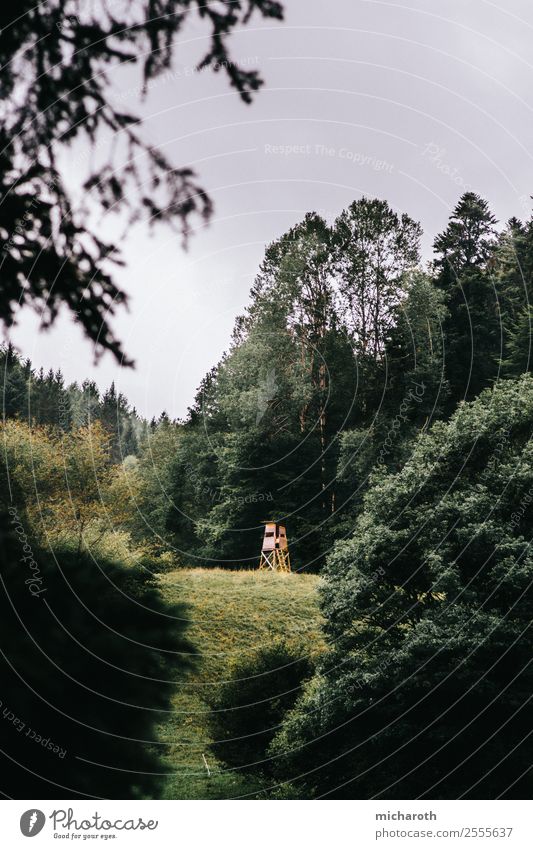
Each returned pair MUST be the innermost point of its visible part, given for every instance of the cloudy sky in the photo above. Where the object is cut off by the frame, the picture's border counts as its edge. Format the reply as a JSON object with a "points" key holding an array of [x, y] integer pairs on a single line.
{"points": [[413, 102]]}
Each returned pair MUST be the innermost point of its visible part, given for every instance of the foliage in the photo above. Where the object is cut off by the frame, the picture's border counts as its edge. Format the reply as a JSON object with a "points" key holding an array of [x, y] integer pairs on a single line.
{"points": [[262, 439], [465, 256], [43, 399], [151, 473], [374, 248], [346, 352], [336, 409], [71, 494], [91, 655], [426, 687], [248, 708]]}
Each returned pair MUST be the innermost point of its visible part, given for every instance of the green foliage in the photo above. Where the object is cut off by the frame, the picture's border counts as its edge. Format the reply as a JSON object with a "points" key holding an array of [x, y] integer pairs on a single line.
{"points": [[519, 359], [415, 347], [65, 484], [91, 656], [346, 352], [248, 708], [152, 470], [374, 248], [336, 410], [465, 255], [426, 688], [263, 437], [43, 399], [468, 241]]}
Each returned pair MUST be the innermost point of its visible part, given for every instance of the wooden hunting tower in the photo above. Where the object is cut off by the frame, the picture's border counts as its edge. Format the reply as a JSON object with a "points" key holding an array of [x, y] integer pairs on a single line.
{"points": [[275, 549]]}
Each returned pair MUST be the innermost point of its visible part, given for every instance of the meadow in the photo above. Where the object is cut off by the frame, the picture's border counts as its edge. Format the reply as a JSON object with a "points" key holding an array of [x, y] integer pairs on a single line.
{"points": [[230, 614]]}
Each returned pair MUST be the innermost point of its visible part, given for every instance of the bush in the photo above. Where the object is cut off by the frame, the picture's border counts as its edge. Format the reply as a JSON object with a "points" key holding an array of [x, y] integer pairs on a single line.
{"points": [[425, 692], [92, 653], [248, 708]]}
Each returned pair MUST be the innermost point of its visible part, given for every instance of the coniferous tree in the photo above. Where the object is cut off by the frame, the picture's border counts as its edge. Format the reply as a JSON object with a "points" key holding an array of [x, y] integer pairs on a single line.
{"points": [[84, 403], [465, 273], [519, 354], [415, 395], [415, 351], [115, 416], [514, 263], [15, 377]]}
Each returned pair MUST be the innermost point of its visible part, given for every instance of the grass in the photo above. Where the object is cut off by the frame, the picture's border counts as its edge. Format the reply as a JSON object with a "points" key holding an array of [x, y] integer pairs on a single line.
{"points": [[230, 614]]}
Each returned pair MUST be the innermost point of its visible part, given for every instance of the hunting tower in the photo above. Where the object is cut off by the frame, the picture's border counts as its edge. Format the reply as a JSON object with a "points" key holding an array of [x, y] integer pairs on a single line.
{"points": [[275, 549]]}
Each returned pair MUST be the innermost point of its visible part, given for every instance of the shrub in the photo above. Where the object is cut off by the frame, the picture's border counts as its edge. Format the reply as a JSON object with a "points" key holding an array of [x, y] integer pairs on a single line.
{"points": [[89, 667], [248, 708], [425, 691]]}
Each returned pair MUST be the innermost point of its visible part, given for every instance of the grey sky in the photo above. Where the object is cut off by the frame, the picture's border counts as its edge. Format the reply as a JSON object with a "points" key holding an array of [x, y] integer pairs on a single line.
{"points": [[414, 102]]}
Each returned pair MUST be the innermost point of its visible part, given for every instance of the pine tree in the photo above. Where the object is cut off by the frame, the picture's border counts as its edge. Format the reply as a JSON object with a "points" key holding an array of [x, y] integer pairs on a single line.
{"points": [[519, 347], [465, 273], [514, 269], [115, 416], [15, 382]]}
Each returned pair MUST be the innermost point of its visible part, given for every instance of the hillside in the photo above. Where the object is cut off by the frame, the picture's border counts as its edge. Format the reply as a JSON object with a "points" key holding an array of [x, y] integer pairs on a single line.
{"points": [[231, 613]]}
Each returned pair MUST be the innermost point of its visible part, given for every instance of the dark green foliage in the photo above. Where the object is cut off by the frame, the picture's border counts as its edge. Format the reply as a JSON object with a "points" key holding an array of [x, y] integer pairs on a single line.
{"points": [[373, 248], [43, 399], [15, 375], [519, 355], [55, 87], [415, 348], [115, 415], [468, 241], [428, 608], [90, 658], [465, 254], [248, 708], [515, 271], [415, 394], [47, 401], [153, 467], [329, 413], [346, 352], [262, 440]]}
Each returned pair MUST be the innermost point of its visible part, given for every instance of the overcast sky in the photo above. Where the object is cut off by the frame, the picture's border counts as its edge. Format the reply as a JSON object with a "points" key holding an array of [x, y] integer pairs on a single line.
{"points": [[413, 102]]}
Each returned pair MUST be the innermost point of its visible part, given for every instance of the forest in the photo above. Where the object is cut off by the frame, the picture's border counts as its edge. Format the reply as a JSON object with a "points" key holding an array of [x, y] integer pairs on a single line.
{"points": [[381, 407]]}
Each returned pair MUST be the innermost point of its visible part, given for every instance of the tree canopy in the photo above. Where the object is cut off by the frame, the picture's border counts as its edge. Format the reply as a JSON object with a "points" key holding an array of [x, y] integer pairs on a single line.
{"points": [[347, 350]]}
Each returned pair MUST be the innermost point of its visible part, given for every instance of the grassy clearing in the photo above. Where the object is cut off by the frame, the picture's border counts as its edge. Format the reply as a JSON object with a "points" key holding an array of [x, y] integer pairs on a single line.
{"points": [[230, 614]]}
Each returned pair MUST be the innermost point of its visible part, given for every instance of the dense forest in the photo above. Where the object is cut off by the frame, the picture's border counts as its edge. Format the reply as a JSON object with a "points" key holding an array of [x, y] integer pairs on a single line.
{"points": [[381, 408], [349, 349]]}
